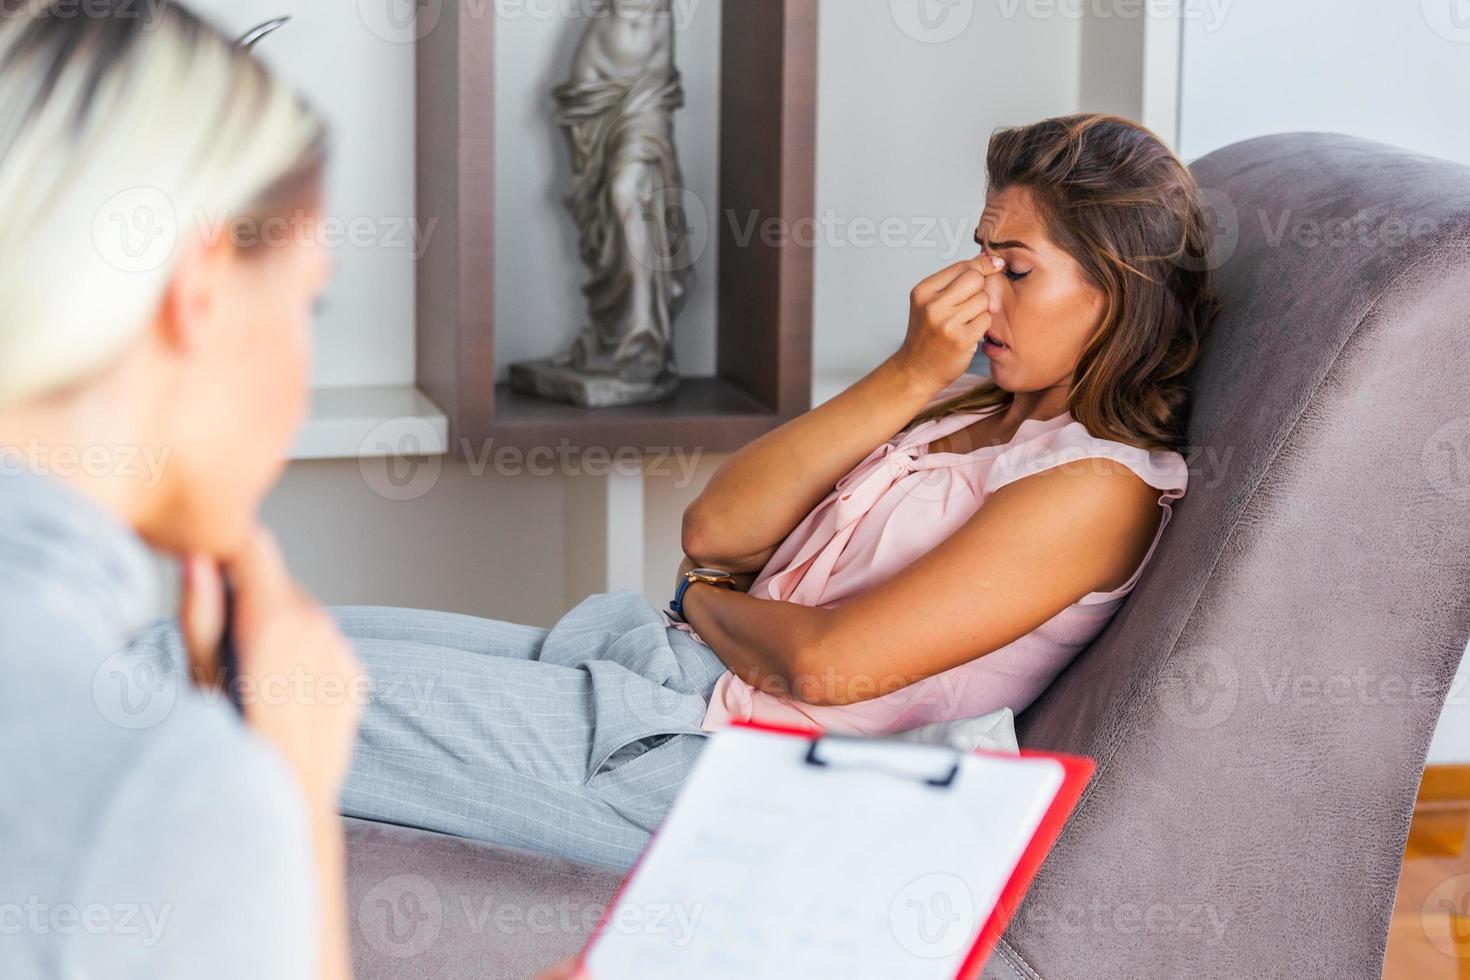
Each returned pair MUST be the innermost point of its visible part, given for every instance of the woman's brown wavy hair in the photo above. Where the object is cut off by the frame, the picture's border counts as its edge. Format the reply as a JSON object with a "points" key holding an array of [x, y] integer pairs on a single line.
{"points": [[1116, 199]]}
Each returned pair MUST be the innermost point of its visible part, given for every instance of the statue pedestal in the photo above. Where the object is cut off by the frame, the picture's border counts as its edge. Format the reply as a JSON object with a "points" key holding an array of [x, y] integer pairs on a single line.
{"points": [[547, 379]]}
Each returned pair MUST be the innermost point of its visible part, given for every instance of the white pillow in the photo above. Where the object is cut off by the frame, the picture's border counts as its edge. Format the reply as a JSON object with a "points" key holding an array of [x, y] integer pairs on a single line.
{"points": [[995, 732]]}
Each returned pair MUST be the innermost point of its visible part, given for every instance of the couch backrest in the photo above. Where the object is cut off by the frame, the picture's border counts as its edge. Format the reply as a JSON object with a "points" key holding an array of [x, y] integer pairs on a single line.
{"points": [[1261, 707]]}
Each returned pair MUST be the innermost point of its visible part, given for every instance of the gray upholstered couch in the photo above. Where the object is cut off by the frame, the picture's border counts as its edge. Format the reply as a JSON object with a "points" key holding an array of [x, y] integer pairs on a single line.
{"points": [[1261, 707]]}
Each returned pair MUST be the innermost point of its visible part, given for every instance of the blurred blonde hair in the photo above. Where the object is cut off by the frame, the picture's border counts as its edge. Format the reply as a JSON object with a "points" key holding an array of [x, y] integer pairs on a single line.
{"points": [[120, 120]]}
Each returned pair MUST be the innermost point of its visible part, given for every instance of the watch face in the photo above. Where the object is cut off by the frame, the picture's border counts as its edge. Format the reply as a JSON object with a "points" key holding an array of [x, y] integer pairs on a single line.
{"points": [[710, 573]]}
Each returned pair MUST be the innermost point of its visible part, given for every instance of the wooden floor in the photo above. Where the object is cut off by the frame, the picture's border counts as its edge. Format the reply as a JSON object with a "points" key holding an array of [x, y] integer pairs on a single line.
{"points": [[1429, 936]]}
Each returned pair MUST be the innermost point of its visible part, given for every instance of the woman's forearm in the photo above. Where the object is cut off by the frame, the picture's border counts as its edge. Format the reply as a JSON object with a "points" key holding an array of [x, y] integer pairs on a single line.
{"points": [[772, 646], [762, 492]]}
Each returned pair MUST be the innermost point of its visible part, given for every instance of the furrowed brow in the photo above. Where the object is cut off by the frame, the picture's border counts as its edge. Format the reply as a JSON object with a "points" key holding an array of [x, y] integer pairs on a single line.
{"points": [[1000, 246]]}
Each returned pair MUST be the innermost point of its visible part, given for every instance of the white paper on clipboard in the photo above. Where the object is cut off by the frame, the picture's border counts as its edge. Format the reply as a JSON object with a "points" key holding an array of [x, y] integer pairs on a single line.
{"points": [[874, 860]]}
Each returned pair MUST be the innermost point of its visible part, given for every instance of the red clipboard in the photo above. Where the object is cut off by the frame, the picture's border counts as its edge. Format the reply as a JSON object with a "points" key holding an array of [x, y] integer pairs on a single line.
{"points": [[1076, 770]]}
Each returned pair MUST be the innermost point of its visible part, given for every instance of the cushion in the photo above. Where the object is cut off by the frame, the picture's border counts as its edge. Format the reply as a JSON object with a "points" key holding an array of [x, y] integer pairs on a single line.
{"points": [[995, 732]]}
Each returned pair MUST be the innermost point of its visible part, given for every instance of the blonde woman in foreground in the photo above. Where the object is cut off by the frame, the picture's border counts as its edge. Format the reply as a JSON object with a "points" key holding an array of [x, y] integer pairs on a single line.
{"points": [[147, 398]]}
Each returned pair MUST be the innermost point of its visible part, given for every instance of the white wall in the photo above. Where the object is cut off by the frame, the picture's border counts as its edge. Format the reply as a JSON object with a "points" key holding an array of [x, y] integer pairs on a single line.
{"points": [[358, 71], [1393, 71], [1396, 72], [484, 544], [1129, 63]]}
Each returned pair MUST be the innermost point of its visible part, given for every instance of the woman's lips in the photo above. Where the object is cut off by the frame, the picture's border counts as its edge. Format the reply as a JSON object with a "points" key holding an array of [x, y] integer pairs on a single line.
{"points": [[991, 347]]}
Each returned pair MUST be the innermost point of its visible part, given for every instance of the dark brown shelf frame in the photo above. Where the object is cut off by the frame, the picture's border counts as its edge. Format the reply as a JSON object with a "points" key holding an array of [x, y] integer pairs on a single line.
{"points": [[764, 320]]}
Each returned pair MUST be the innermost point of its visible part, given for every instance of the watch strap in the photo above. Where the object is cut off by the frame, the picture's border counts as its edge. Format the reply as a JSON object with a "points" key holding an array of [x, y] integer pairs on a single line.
{"points": [[676, 608]]}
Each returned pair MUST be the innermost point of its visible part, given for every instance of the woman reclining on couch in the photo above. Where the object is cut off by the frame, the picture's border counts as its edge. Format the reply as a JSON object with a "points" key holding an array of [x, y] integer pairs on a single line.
{"points": [[862, 581], [854, 579]]}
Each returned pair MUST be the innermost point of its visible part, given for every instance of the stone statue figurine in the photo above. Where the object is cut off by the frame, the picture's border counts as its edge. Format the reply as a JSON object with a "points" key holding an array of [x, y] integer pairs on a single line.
{"points": [[617, 111]]}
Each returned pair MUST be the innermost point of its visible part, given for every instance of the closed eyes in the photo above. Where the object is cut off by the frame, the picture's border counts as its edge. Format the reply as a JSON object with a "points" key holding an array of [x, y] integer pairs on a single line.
{"points": [[994, 247]]}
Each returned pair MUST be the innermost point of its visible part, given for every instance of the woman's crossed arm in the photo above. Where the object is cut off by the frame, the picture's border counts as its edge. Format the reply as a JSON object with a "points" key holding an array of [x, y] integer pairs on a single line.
{"points": [[1034, 548]]}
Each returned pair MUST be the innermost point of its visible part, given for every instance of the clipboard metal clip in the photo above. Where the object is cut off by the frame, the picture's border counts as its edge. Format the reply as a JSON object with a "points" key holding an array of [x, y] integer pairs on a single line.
{"points": [[815, 757]]}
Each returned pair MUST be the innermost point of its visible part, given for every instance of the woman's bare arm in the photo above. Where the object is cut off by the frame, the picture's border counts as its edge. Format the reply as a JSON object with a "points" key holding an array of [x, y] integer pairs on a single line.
{"points": [[762, 492], [1033, 549]]}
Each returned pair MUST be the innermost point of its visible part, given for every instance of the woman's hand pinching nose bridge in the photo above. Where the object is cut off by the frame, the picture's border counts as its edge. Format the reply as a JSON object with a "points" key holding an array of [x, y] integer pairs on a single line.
{"points": [[949, 313]]}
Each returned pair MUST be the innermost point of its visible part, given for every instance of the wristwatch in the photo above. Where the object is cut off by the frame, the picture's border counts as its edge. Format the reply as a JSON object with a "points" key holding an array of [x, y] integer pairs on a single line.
{"points": [[708, 576]]}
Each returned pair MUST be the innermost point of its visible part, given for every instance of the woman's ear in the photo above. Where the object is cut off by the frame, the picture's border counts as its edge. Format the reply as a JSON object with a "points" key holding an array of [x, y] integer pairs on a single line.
{"points": [[187, 315], [1101, 306]]}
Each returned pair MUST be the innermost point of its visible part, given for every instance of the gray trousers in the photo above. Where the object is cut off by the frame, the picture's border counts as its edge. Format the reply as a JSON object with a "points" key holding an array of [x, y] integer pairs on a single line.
{"points": [[571, 741]]}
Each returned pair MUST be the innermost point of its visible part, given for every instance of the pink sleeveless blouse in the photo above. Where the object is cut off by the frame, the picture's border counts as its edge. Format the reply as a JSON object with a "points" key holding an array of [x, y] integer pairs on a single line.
{"points": [[895, 506]]}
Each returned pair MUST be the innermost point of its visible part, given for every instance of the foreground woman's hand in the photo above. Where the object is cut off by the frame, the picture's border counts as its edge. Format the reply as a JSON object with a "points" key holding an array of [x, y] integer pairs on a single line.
{"points": [[300, 683], [302, 690], [949, 313]]}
